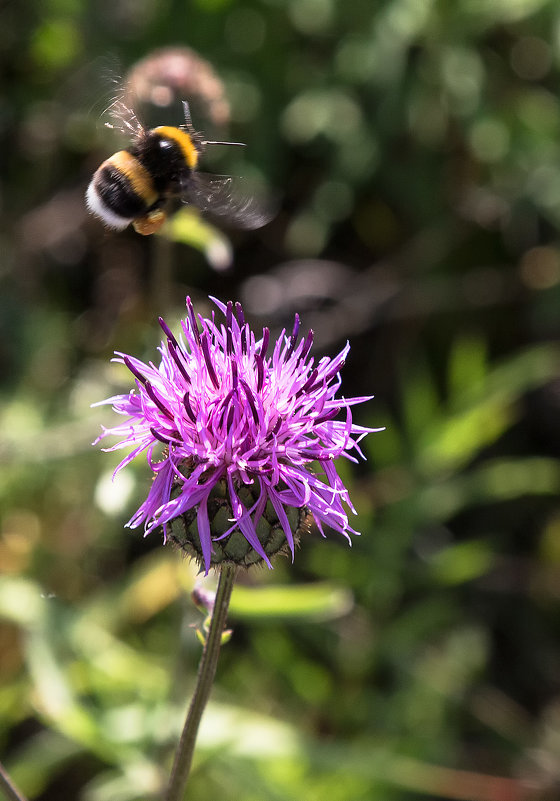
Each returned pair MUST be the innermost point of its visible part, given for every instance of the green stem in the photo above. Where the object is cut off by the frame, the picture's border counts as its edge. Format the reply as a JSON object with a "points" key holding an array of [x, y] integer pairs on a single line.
{"points": [[204, 681], [11, 793]]}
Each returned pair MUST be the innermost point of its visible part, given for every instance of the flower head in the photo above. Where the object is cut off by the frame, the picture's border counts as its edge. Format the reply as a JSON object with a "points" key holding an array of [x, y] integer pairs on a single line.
{"points": [[240, 423]]}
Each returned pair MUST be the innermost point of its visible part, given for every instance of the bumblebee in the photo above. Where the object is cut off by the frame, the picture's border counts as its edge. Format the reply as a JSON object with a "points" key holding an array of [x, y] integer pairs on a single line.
{"points": [[134, 185]]}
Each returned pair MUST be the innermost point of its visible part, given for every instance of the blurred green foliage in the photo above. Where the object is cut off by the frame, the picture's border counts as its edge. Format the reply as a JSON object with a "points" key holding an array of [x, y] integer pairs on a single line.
{"points": [[413, 151]]}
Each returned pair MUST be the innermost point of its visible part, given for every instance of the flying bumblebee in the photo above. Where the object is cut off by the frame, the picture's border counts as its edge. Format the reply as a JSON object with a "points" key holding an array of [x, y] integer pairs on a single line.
{"points": [[134, 185]]}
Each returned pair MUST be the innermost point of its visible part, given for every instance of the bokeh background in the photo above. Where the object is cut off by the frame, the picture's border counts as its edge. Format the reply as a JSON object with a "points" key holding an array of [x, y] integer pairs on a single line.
{"points": [[411, 149]]}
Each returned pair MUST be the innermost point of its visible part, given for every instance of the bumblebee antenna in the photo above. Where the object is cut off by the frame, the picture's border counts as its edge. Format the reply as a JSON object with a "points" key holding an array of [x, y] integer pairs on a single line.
{"points": [[190, 126], [235, 144], [187, 113]]}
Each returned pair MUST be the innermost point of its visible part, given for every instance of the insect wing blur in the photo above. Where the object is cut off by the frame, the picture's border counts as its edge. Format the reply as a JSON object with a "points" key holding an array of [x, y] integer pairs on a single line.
{"points": [[227, 198]]}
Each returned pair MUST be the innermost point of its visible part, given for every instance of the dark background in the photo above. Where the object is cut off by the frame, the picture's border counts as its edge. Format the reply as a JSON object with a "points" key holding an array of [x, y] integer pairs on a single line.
{"points": [[412, 151]]}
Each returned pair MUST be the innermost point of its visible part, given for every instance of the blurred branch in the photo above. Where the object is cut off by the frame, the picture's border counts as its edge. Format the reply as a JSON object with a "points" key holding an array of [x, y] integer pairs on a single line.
{"points": [[460, 785], [10, 791]]}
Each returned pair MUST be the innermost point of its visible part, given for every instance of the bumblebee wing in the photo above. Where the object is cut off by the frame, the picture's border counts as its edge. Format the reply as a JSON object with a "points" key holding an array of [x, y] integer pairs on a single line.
{"points": [[228, 198], [122, 118]]}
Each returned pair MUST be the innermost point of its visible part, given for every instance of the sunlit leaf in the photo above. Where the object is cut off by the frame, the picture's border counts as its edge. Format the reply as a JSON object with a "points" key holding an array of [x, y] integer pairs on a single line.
{"points": [[189, 228], [484, 411], [461, 436], [311, 602], [21, 600]]}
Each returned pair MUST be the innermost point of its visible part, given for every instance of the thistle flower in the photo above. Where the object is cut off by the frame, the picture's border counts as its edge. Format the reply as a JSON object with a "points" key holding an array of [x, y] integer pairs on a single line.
{"points": [[231, 428]]}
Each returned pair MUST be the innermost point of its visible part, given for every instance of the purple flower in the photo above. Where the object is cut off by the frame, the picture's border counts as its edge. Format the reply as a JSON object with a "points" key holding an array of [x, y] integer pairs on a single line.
{"points": [[223, 410]]}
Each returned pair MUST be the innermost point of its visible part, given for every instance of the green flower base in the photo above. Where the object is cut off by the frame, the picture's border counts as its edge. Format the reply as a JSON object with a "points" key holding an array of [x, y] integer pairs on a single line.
{"points": [[235, 549]]}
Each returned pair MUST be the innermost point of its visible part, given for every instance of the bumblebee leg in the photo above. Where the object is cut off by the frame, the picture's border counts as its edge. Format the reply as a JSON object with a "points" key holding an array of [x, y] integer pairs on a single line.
{"points": [[150, 223]]}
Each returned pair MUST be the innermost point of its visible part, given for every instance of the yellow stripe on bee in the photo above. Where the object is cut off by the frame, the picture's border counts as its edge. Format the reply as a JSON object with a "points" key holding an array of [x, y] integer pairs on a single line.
{"points": [[183, 140], [137, 175]]}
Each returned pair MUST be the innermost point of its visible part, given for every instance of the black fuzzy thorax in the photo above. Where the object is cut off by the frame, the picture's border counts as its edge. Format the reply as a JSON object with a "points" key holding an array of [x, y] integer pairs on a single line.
{"points": [[164, 160]]}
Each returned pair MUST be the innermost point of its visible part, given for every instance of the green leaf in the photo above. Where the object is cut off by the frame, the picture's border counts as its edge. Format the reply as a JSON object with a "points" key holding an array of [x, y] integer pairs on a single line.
{"points": [[189, 228], [309, 602], [462, 562], [467, 366], [483, 412], [21, 601], [496, 480]]}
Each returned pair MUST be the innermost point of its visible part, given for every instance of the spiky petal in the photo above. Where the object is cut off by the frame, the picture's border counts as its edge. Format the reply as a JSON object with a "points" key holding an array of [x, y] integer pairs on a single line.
{"points": [[228, 410]]}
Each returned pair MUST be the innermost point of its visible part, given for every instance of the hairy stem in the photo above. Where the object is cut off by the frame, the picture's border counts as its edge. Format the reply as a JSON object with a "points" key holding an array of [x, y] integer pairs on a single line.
{"points": [[204, 681]]}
